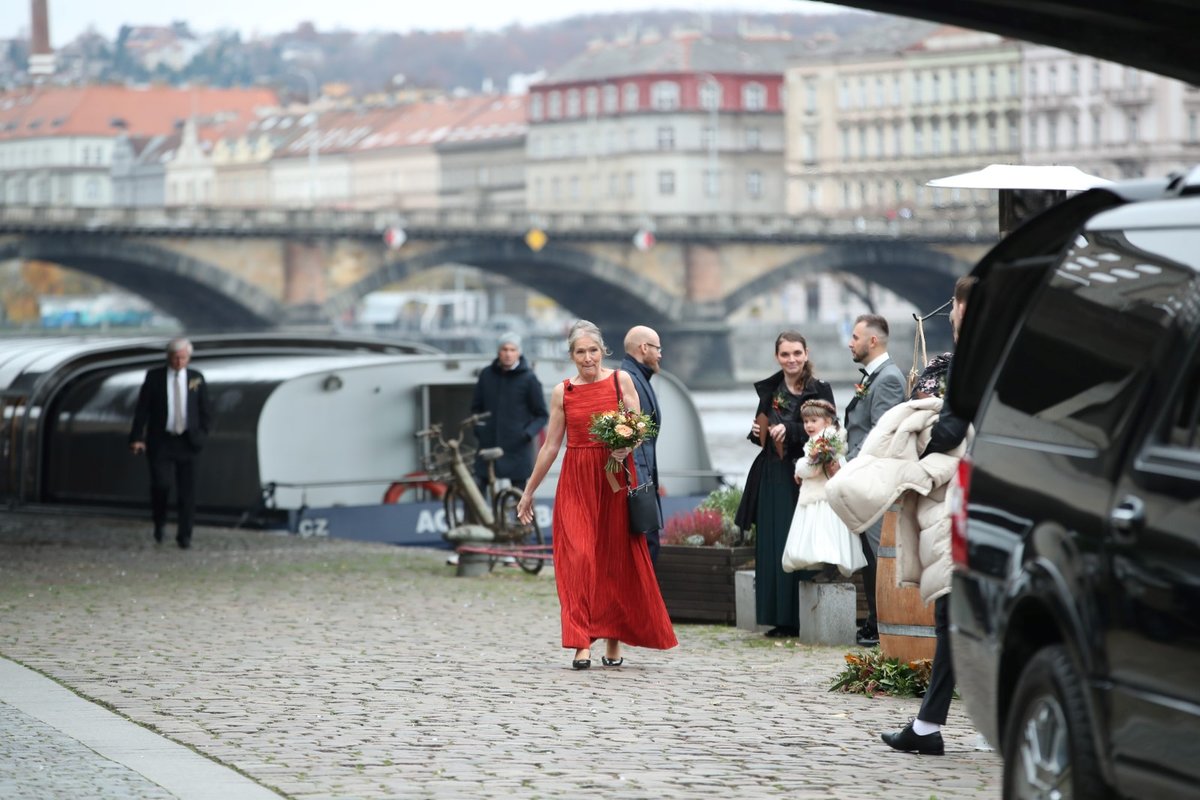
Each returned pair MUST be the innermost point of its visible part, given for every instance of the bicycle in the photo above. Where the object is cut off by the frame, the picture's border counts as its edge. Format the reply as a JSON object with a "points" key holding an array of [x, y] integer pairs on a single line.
{"points": [[450, 461]]}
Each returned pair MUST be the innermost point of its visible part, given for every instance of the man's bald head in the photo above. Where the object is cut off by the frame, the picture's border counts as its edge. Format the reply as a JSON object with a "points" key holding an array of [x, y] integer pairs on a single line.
{"points": [[643, 346]]}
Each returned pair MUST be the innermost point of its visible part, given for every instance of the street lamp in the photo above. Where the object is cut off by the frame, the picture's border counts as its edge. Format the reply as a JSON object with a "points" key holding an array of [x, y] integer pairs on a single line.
{"points": [[311, 80], [714, 105]]}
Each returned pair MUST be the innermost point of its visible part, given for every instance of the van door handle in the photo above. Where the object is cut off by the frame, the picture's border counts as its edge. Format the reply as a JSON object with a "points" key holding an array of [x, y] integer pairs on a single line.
{"points": [[1127, 518]]}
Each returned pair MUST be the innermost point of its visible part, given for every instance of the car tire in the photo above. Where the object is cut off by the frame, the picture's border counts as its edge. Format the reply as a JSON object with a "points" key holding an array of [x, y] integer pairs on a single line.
{"points": [[1049, 750]]}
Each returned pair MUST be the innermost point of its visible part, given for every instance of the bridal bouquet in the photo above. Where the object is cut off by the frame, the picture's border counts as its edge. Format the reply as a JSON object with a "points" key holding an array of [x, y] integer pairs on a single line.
{"points": [[620, 428], [825, 448]]}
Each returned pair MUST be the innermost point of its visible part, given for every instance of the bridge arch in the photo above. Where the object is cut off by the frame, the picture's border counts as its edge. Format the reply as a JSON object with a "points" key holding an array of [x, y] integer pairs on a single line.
{"points": [[198, 294], [918, 273], [592, 287]]}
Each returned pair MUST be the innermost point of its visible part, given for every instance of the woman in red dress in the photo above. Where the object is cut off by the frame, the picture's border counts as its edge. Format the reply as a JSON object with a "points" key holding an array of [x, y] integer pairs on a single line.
{"points": [[606, 583]]}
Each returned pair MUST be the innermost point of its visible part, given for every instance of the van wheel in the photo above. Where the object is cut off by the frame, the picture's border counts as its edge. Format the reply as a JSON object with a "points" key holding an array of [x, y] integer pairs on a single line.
{"points": [[1049, 752]]}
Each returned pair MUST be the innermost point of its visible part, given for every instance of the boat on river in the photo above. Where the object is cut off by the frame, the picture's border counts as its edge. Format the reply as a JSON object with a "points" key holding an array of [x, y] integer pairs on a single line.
{"points": [[310, 432]]}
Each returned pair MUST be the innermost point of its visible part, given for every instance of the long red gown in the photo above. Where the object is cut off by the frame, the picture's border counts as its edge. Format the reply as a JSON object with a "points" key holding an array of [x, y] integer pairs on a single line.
{"points": [[606, 582]]}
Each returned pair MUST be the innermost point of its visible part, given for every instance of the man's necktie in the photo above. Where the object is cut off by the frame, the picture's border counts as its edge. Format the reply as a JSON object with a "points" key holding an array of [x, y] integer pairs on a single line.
{"points": [[862, 371], [180, 418]]}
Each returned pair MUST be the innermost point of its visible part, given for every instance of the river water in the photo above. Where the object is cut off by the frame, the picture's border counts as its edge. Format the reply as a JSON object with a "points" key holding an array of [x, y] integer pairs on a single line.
{"points": [[727, 416]]}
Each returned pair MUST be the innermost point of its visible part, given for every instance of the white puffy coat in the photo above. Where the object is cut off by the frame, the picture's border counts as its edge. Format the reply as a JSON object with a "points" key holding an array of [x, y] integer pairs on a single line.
{"points": [[889, 467]]}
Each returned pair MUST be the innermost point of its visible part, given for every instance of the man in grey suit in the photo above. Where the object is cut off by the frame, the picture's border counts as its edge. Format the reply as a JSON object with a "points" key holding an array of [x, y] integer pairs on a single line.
{"points": [[882, 386], [643, 355]]}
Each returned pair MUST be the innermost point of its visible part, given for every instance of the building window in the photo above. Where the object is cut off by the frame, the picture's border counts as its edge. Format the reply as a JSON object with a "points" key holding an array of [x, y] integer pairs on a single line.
{"points": [[954, 144], [954, 85], [630, 99], [1014, 132], [814, 196], [631, 140], [845, 142], [1052, 80], [664, 96], [918, 138], [1074, 79], [573, 185], [846, 195], [614, 184], [972, 135], [993, 83], [972, 87], [712, 183], [880, 101], [808, 146], [555, 189], [1052, 132], [610, 99], [573, 103], [843, 95], [1033, 132], [810, 95], [1097, 76], [710, 95], [993, 134], [753, 138], [535, 107], [917, 89], [707, 138], [1131, 127], [754, 184], [935, 136], [630, 183], [1193, 126], [862, 142], [896, 96], [897, 139], [591, 103], [554, 105], [1096, 130], [863, 101], [936, 91], [666, 138], [1014, 82], [1073, 122], [666, 182], [754, 97]]}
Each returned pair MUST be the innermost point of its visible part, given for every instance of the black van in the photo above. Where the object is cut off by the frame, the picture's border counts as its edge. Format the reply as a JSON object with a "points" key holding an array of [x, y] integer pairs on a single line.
{"points": [[1075, 611]]}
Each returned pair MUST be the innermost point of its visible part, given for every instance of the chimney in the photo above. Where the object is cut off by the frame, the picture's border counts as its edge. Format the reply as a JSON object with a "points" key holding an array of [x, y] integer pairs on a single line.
{"points": [[41, 57]]}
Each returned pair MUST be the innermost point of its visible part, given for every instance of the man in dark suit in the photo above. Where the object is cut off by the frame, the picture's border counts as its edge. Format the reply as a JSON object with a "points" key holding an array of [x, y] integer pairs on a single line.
{"points": [[882, 386], [170, 425], [643, 355]]}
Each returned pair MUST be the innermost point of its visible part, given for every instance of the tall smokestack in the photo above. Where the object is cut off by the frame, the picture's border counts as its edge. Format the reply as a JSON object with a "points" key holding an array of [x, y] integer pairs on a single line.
{"points": [[41, 58]]}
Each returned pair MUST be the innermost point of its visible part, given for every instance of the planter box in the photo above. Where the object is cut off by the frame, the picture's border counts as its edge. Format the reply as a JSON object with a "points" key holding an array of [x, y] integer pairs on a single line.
{"points": [[697, 582]]}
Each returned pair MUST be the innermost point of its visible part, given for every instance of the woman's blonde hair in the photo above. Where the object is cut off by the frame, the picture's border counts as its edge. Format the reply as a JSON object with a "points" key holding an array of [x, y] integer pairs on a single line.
{"points": [[589, 329]]}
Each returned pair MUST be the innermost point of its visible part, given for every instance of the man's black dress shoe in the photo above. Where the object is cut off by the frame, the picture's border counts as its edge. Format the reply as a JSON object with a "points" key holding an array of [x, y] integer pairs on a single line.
{"points": [[867, 636], [158, 535], [908, 741], [782, 632], [184, 544]]}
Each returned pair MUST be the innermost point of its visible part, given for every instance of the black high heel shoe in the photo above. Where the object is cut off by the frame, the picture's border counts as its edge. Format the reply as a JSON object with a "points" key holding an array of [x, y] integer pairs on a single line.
{"points": [[612, 662], [581, 663]]}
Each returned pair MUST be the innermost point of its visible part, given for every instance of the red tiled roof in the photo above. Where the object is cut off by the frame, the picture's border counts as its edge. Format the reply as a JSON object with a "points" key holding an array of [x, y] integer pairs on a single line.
{"points": [[91, 110]]}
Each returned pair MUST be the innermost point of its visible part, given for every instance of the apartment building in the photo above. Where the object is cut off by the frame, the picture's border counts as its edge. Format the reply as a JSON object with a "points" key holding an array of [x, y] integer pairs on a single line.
{"points": [[865, 132], [685, 124], [1107, 119], [56, 143]]}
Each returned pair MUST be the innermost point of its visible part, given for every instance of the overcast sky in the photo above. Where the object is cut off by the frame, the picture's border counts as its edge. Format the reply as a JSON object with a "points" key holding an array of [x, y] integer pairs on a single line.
{"points": [[68, 18]]}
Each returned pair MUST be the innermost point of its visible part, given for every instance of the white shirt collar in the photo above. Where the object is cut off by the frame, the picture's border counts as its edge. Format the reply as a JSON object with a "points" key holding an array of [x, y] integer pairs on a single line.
{"points": [[875, 364]]}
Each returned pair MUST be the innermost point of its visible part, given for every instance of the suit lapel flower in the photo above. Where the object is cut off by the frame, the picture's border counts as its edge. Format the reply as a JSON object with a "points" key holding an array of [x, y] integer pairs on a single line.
{"points": [[860, 390], [193, 384]]}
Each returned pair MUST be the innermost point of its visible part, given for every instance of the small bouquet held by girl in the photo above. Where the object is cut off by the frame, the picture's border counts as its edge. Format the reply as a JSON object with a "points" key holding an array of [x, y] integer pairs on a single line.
{"points": [[817, 536], [620, 429]]}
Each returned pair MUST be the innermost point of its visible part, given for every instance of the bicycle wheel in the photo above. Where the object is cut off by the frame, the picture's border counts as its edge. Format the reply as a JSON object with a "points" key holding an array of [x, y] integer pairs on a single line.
{"points": [[518, 533], [457, 510]]}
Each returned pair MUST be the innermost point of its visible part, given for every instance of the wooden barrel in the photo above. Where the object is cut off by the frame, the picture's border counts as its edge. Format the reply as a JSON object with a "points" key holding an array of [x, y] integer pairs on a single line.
{"points": [[905, 622]]}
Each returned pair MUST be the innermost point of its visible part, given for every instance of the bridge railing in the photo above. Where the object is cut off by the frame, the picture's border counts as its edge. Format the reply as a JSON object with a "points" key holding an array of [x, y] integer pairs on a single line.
{"points": [[968, 224]]}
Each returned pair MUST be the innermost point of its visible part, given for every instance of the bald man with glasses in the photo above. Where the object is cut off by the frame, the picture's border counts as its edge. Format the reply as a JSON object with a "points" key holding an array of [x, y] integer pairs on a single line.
{"points": [[643, 354]]}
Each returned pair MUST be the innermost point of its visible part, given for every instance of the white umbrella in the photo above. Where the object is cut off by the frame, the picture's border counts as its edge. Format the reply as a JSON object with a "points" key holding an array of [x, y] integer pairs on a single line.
{"points": [[1019, 176]]}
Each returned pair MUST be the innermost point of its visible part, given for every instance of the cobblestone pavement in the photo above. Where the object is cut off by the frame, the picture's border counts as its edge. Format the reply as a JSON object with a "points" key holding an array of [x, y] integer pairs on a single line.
{"points": [[328, 669]]}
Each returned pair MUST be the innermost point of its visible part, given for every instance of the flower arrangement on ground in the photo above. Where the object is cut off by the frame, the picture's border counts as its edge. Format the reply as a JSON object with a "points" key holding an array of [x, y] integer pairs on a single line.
{"points": [[619, 429], [825, 448], [871, 673]]}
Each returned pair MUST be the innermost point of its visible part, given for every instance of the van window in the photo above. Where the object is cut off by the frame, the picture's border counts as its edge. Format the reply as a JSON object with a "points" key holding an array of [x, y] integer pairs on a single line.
{"points": [[1079, 364]]}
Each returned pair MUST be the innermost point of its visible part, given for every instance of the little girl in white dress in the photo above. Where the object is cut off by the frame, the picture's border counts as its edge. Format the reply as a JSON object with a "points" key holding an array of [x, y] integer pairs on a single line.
{"points": [[817, 536]]}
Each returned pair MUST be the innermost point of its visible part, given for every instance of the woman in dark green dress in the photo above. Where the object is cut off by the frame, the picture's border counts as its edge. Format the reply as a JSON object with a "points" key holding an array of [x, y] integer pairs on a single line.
{"points": [[769, 499]]}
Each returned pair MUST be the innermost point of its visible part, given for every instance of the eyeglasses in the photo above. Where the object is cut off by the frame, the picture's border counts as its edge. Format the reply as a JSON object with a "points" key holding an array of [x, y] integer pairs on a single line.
{"points": [[657, 347]]}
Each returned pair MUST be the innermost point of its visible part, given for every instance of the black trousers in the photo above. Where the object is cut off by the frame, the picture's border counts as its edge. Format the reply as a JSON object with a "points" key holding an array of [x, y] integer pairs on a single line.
{"points": [[173, 461], [868, 576], [936, 704]]}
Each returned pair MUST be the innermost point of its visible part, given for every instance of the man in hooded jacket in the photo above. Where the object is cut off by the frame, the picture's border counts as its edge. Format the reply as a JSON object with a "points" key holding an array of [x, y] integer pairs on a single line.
{"points": [[510, 390]]}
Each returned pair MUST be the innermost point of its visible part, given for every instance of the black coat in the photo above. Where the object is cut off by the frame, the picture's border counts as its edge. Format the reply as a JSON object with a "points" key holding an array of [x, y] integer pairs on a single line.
{"points": [[518, 406], [794, 443], [150, 414]]}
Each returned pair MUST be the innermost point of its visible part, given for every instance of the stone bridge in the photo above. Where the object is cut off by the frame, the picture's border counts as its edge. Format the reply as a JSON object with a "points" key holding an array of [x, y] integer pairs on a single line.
{"points": [[222, 269]]}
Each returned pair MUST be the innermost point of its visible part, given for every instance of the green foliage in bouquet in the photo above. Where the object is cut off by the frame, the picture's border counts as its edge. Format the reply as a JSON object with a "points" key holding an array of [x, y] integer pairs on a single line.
{"points": [[871, 673]]}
